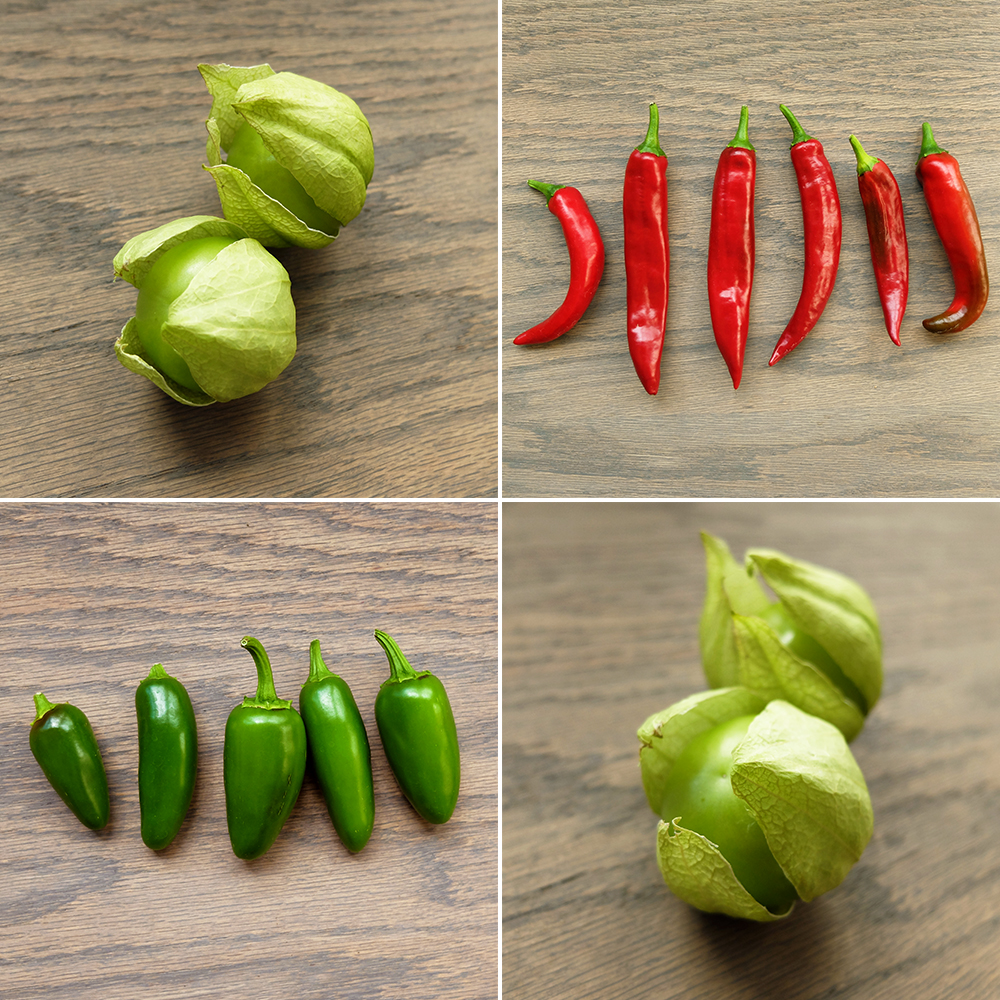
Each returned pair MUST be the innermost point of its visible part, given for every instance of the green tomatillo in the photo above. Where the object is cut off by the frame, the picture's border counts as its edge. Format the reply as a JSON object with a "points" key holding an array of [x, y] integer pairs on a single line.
{"points": [[214, 319], [298, 154], [817, 646], [760, 803]]}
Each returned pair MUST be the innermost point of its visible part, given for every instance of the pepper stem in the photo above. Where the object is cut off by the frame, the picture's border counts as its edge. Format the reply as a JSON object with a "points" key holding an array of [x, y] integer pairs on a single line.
{"points": [[399, 666], [651, 144], [865, 162], [317, 668], [42, 705], [927, 144], [156, 672], [266, 696], [547, 189], [742, 140], [799, 134]]}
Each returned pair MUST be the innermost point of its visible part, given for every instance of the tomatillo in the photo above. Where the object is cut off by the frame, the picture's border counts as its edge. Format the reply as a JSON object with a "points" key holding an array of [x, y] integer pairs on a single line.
{"points": [[214, 318], [249, 153], [699, 796], [818, 646], [298, 154], [167, 279], [760, 803]]}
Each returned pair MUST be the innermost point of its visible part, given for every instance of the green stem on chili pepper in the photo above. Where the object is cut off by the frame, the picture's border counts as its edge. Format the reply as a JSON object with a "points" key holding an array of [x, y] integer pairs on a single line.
{"points": [[957, 225], [822, 229], [264, 761], [586, 261], [417, 728], [731, 248], [168, 756], [883, 206], [338, 745], [647, 254], [63, 743]]}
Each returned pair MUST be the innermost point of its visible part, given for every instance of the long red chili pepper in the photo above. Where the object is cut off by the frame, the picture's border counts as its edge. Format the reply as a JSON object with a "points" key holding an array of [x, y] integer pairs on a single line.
{"points": [[955, 220], [731, 248], [647, 254], [822, 230], [886, 235], [586, 261]]}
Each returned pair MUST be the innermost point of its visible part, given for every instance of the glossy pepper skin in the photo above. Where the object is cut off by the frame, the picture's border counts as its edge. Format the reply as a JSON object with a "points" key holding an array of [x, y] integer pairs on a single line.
{"points": [[264, 762], [822, 228], [957, 225], [338, 746], [647, 254], [586, 261], [63, 743], [886, 236], [168, 756], [417, 729], [731, 247]]}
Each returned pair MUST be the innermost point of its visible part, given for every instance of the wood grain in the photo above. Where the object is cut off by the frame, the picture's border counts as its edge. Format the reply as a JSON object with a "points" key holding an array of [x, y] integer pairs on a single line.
{"points": [[91, 596], [847, 413], [393, 391], [600, 629]]}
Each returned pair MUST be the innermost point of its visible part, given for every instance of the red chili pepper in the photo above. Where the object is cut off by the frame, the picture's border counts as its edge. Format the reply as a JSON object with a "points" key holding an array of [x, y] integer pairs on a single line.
{"points": [[586, 261], [886, 235], [822, 230], [731, 248], [647, 254], [955, 220]]}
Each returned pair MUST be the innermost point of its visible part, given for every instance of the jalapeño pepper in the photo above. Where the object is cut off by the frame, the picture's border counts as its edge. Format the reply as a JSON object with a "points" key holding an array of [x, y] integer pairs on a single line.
{"points": [[338, 745], [263, 762], [66, 749], [418, 733], [168, 756]]}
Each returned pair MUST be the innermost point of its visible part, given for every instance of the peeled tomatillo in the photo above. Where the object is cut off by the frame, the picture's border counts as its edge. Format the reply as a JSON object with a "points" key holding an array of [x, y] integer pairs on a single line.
{"points": [[699, 795], [167, 279]]}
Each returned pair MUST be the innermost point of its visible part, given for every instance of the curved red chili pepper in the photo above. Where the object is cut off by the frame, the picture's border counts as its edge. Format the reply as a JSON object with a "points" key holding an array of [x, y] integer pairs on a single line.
{"points": [[822, 231], [647, 254], [956, 223], [586, 261], [886, 235], [731, 248]]}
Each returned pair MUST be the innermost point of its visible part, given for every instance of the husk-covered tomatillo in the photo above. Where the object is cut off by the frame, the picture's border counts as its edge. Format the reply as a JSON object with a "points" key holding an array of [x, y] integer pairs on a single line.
{"points": [[214, 318], [818, 646], [299, 154], [760, 803]]}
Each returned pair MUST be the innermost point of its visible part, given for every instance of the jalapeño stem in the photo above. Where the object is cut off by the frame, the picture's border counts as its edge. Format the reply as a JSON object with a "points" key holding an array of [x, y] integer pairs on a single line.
{"points": [[399, 666], [317, 668], [266, 696]]}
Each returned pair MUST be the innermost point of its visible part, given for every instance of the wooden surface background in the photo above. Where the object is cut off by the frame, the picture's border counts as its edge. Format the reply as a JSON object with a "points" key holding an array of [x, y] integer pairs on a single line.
{"points": [[393, 392], [847, 413], [600, 629], [90, 597]]}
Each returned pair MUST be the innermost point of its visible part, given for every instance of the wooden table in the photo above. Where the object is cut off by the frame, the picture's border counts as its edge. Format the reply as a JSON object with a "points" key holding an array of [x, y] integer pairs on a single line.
{"points": [[91, 597], [393, 391], [600, 629], [847, 413]]}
